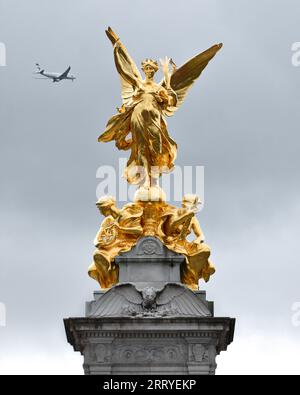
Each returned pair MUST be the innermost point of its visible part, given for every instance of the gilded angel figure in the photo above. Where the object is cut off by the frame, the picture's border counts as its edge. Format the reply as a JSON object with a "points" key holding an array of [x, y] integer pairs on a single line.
{"points": [[140, 124]]}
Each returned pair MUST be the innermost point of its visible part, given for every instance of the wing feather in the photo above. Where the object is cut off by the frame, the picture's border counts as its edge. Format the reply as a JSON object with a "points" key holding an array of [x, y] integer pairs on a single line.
{"points": [[184, 77], [112, 302], [127, 91], [183, 300]]}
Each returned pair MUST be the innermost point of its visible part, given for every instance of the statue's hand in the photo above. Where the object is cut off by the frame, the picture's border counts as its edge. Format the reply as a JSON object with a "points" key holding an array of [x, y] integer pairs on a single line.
{"points": [[162, 96], [199, 240], [118, 43]]}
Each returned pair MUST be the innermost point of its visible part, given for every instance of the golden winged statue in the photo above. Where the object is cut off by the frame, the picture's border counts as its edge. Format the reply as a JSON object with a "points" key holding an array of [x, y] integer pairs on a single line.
{"points": [[140, 124]]}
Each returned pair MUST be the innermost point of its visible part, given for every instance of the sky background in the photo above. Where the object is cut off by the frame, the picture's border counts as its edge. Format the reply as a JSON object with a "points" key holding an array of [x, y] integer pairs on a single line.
{"points": [[240, 121]]}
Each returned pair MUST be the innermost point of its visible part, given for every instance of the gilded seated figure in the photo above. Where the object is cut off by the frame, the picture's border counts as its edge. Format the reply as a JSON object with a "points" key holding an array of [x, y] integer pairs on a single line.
{"points": [[118, 233], [176, 225]]}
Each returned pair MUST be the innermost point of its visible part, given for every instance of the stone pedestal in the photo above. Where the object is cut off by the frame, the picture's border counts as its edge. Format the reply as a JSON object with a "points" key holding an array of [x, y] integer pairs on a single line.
{"points": [[149, 323]]}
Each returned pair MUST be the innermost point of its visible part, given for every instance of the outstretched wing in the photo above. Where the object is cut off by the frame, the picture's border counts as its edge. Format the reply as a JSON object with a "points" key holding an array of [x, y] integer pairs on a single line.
{"points": [[169, 292], [126, 67], [184, 77], [64, 74], [112, 303], [182, 301]]}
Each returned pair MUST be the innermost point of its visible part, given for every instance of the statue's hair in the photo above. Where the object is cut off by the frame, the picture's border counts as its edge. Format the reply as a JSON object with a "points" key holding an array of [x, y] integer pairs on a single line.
{"points": [[151, 62], [106, 201], [190, 198]]}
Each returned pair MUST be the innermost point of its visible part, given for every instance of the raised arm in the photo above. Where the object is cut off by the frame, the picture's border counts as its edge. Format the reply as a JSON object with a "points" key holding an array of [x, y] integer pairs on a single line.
{"points": [[125, 65], [197, 231]]}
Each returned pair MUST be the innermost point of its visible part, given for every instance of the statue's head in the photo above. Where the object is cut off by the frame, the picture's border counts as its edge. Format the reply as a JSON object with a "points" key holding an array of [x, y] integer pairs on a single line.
{"points": [[149, 67], [191, 202], [105, 204], [149, 295]]}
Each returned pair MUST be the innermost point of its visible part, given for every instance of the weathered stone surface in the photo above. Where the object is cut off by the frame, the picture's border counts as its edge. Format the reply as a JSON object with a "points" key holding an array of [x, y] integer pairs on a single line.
{"points": [[173, 300], [149, 323], [149, 263], [149, 345]]}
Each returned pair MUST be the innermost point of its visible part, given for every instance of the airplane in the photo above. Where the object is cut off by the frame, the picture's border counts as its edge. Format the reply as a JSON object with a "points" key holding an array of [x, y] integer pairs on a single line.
{"points": [[56, 77]]}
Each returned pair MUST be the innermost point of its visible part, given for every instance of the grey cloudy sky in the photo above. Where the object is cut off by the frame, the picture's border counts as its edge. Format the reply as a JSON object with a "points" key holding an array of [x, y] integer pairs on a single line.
{"points": [[240, 121]]}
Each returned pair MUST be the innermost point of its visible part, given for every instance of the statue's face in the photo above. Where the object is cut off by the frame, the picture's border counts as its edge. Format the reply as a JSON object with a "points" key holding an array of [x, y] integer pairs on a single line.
{"points": [[106, 211], [149, 71], [190, 206], [149, 294]]}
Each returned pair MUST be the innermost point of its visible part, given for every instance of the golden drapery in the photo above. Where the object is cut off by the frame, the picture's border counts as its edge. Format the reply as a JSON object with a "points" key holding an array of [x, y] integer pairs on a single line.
{"points": [[152, 149]]}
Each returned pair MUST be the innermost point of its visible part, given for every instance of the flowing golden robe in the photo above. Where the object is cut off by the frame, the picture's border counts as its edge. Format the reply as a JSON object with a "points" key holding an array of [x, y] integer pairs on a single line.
{"points": [[152, 149]]}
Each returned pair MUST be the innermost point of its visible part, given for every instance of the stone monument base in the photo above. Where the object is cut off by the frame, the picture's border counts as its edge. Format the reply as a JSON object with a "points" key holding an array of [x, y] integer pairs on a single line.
{"points": [[152, 346], [149, 323]]}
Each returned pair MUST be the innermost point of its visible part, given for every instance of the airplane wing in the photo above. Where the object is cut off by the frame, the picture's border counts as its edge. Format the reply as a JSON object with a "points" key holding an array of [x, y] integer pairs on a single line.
{"points": [[64, 74]]}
